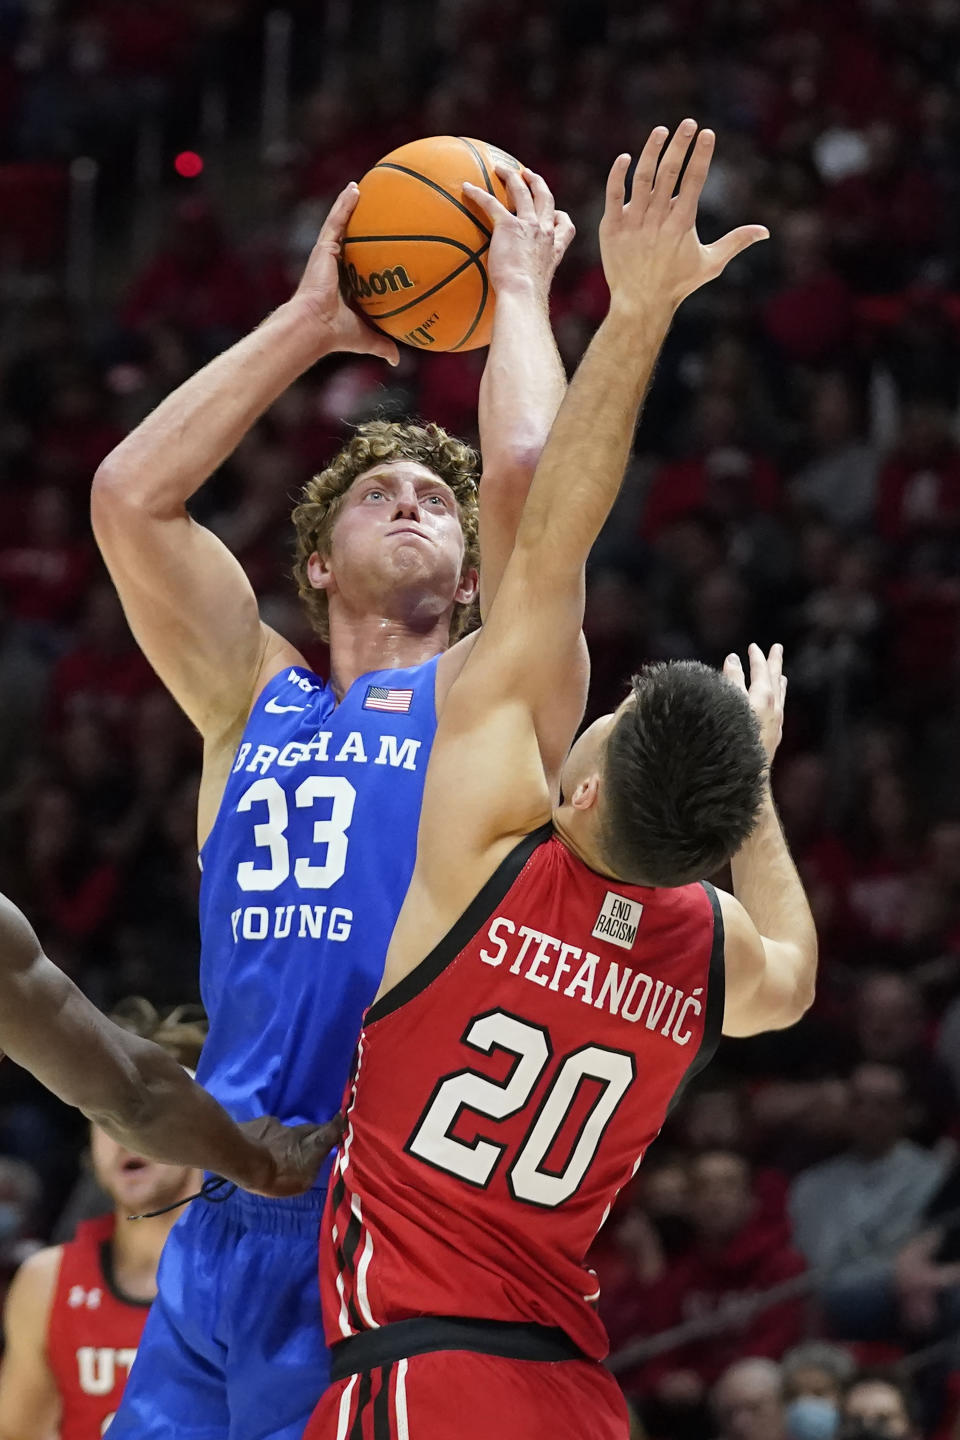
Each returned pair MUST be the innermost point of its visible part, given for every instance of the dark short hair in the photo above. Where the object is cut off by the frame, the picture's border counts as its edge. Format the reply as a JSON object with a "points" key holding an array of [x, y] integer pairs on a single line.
{"points": [[893, 1379], [683, 776]]}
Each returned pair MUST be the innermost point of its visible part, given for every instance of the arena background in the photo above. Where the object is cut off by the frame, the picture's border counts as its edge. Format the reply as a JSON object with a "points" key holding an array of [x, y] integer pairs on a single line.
{"points": [[796, 477]]}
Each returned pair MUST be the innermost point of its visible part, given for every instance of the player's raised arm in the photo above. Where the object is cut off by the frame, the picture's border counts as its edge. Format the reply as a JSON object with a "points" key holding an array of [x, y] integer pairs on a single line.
{"points": [[652, 259], [131, 1088], [187, 599], [523, 379], [770, 936]]}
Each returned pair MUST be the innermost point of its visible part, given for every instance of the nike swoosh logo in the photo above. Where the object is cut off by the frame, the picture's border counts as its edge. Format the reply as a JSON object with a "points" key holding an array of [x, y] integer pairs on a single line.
{"points": [[275, 709]]}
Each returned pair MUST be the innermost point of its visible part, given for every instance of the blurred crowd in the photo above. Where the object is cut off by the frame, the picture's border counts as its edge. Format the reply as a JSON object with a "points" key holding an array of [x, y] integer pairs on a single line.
{"points": [[796, 477]]}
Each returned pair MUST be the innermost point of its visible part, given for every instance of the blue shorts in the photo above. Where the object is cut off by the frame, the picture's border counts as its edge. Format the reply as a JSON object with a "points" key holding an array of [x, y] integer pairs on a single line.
{"points": [[233, 1346]]}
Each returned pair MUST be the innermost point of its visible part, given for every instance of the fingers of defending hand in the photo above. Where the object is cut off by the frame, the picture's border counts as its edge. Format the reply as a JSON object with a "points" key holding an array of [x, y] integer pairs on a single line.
{"points": [[722, 251], [563, 232], [684, 212], [669, 168], [519, 192], [647, 166], [775, 668], [543, 201], [340, 211], [486, 202], [616, 181], [733, 671]]}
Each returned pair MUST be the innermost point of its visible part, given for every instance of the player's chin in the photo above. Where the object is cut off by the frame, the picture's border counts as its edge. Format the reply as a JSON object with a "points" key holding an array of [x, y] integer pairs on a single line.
{"points": [[145, 1189]]}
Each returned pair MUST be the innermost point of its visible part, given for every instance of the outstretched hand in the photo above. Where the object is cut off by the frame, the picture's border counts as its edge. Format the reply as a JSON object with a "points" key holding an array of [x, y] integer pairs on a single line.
{"points": [[648, 241], [767, 693], [340, 327], [291, 1154], [528, 241]]}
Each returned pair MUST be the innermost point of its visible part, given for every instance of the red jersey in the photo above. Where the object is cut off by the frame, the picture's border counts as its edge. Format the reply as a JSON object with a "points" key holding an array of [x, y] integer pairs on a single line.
{"points": [[92, 1334], [507, 1088]]}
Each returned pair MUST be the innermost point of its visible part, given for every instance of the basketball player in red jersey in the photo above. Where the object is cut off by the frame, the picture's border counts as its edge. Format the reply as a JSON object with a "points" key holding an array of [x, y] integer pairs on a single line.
{"points": [[578, 966], [75, 1312]]}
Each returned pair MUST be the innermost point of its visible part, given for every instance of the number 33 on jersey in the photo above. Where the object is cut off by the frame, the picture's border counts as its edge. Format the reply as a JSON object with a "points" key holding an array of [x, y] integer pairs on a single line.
{"points": [[304, 874]]}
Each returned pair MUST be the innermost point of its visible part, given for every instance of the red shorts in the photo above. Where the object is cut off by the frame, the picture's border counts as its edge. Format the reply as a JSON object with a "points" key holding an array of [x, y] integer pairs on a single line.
{"points": [[460, 1395]]}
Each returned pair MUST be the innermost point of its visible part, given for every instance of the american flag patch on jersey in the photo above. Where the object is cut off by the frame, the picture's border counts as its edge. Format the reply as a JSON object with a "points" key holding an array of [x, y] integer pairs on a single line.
{"points": [[379, 697]]}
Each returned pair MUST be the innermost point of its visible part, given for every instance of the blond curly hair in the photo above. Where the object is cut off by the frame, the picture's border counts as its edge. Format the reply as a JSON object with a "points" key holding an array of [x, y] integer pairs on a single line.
{"points": [[181, 1032], [379, 442]]}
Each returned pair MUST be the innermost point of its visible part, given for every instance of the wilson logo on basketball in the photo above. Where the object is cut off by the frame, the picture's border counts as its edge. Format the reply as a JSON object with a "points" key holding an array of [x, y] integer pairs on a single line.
{"points": [[379, 282]]}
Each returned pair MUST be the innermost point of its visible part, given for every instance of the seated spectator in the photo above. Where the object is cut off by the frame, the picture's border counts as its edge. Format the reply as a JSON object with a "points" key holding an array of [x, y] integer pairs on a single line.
{"points": [[740, 1249], [76, 432], [104, 674], [44, 574], [19, 1204], [814, 1375], [919, 486], [877, 1407], [724, 477], [816, 1368], [196, 283], [886, 839], [850, 1214], [889, 1028], [747, 1402], [809, 317], [839, 480], [928, 1266]]}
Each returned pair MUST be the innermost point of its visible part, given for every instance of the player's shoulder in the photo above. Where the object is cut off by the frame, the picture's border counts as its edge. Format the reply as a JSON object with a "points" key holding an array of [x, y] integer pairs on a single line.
{"points": [[741, 939], [33, 1287], [280, 661]]}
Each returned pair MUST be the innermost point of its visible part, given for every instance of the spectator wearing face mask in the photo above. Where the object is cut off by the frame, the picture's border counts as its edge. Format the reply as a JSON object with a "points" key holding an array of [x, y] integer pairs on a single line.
{"points": [[814, 1376], [877, 1407]]}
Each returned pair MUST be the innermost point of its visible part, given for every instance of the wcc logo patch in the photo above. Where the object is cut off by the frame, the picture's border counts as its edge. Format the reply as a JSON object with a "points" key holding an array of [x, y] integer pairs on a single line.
{"points": [[618, 920]]}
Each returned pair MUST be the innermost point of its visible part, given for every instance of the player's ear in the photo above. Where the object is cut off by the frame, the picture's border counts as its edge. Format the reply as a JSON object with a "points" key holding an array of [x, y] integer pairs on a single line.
{"points": [[468, 587], [319, 572], [587, 792]]}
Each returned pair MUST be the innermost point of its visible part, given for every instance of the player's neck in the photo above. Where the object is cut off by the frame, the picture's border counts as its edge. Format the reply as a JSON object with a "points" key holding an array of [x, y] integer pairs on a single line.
{"points": [[361, 643], [578, 832], [136, 1252]]}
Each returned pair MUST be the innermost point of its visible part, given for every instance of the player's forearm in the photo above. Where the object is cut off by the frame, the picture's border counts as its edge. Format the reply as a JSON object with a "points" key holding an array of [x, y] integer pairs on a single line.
{"points": [[583, 462], [521, 391], [164, 1115], [172, 452], [766, 883], [523, 382], [130, 1088]]}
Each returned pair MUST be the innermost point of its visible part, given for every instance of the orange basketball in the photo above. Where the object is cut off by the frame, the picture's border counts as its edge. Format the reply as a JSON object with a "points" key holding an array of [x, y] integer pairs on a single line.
{"points": [[414, 255]]}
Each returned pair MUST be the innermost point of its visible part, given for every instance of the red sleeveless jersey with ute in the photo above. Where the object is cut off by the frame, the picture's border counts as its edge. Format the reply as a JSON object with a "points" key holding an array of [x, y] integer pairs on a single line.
{"points": [[92, 1333], [507, 1089]]}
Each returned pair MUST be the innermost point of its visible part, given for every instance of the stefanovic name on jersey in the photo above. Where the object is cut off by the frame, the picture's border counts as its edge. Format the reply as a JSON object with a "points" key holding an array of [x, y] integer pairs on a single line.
{"points": [[610, 985]]}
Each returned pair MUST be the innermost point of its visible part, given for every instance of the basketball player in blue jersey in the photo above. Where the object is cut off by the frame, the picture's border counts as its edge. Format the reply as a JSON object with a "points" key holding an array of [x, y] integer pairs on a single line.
{"points": [[311, 790]]}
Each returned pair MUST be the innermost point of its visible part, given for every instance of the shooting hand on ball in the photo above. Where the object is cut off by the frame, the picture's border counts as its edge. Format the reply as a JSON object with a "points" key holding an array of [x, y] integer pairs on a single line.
{"points": [[652, 255], [319, 289], [528, 242]]}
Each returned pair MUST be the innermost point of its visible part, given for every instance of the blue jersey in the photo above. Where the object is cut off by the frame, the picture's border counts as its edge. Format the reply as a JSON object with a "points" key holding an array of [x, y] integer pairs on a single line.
{"points": [[304, 873]]}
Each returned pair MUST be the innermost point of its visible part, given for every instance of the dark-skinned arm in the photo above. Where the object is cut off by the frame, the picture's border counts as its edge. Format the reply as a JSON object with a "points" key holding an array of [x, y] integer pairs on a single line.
{"points": [[131, 1088]]}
